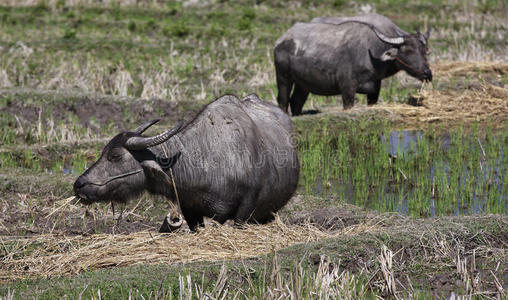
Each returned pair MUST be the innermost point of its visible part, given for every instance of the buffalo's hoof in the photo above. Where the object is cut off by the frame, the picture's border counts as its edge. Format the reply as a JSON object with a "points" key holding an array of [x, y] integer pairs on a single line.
{"points": [[171, 224]]}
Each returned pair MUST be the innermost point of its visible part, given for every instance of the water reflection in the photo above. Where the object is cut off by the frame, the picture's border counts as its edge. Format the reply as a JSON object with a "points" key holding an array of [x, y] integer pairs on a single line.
{"points": [[401, 141], [476, 185]]}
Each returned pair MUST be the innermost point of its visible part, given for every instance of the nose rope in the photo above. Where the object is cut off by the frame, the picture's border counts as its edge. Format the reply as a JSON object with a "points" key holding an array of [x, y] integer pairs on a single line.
{"points": [[176, 192], [172, 181], [116, 177], [409, 67]]}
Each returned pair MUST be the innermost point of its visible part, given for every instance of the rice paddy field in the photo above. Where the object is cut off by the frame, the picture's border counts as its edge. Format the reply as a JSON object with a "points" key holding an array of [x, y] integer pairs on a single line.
{"points": [[406, 199]]}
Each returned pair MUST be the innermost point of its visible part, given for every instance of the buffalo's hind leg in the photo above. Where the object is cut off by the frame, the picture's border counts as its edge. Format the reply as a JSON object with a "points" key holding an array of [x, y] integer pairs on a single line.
{"points": [[373, 97], [284, 86], [298, 100], [247, 209], [348, 89]]}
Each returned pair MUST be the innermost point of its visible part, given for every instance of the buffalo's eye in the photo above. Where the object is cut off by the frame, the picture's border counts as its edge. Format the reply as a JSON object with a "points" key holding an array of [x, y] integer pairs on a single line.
{"points": [[407, 50], [115, 155]]}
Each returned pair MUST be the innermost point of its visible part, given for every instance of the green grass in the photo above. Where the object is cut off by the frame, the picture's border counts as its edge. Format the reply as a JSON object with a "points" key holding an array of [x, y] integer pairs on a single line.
{"points": [[173, 282]]}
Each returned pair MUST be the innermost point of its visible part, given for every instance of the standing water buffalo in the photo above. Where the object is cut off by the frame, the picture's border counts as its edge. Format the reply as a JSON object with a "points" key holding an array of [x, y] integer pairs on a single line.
{"points": [[234, 160], [332, 56]]}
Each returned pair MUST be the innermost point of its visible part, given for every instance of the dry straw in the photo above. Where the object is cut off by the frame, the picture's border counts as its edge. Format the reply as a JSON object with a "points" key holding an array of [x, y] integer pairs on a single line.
{"points": [[480, 101], [487, 103], [457, 68], [51, 255]]}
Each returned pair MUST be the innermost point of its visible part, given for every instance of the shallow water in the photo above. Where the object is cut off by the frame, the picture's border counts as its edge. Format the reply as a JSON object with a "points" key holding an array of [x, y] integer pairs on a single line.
{"points": [[401, 141], [405, 142], [426, 174]]}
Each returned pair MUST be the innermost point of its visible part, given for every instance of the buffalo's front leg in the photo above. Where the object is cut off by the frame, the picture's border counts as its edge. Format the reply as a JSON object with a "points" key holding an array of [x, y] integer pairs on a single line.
{"points": [[193, 220], [373, 97]]}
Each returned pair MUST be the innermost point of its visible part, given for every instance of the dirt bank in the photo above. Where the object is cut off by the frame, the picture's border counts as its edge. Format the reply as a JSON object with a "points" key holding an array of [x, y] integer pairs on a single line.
{"points": [[484, 99]]}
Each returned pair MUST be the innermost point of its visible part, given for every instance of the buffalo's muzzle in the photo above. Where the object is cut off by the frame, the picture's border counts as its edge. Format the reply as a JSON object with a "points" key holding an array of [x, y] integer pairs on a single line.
{"points": [[79, 183], [427, 75], [79, 190]]}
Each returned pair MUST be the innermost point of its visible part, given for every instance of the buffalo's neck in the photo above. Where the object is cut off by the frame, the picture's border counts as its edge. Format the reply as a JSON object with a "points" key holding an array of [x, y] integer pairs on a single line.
{"points": [[381, 69], [391, 69]]}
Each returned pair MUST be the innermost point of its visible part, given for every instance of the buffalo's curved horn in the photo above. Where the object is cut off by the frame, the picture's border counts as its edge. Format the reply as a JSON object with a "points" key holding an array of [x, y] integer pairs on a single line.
{"points": [[400, 32], [145, 126], [140, 143], [389, 40]]}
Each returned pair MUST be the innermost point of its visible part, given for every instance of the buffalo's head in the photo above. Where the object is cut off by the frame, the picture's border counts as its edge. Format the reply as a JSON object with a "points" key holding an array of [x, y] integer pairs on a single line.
{"points": [[125, 169], [409, 52]]}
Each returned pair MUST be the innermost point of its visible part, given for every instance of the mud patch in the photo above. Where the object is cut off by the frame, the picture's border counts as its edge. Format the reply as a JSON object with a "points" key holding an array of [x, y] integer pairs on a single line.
{"points": [[27, 218], [332, 218], [90, 110]]}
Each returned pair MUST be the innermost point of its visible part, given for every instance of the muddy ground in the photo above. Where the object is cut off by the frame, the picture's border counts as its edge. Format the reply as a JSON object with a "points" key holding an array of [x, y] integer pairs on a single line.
{"points": [[91, 110]]}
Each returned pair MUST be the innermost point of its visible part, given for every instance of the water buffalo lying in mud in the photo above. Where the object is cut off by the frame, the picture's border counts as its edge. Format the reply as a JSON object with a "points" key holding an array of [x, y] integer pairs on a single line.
{"points": [[349, 55], [234, 160]]}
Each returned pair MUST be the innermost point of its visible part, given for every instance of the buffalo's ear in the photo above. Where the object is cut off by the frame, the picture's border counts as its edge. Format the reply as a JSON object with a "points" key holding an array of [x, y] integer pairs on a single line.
{"points": [[157, 179], [389, 54]]}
